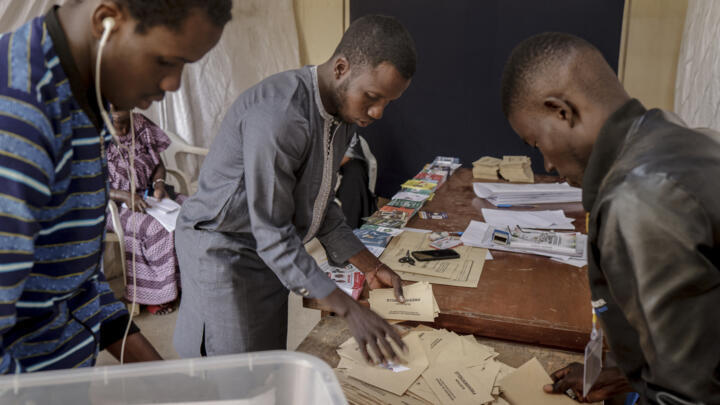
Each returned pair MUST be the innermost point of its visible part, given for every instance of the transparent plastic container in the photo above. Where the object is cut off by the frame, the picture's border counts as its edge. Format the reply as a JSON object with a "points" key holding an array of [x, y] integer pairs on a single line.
{"points": [[262, 378]]}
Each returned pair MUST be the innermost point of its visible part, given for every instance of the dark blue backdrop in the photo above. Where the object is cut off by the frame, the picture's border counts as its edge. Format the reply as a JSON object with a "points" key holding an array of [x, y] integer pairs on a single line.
{"points": [[453, 104]]}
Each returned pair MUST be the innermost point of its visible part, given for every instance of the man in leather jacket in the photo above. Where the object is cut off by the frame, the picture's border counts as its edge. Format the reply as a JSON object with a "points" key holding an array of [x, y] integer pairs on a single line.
{"points": [[649, 186]]}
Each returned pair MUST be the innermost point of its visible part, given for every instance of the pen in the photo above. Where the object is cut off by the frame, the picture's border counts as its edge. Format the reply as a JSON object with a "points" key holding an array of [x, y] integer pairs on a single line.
{"points": [[145, 195], [515, 206]]}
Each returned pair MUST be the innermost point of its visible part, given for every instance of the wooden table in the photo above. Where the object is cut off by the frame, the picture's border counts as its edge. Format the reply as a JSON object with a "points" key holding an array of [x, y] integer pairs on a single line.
{"points": [[522, 298]]}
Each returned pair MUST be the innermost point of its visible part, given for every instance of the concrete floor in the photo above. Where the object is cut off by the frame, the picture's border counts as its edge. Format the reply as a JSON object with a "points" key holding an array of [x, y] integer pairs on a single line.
{"points": [[158, 329]]}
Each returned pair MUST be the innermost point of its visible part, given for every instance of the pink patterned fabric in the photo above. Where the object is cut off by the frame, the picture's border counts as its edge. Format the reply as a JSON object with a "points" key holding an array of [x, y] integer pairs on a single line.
{"points": [[156, 265], [150, 141]]}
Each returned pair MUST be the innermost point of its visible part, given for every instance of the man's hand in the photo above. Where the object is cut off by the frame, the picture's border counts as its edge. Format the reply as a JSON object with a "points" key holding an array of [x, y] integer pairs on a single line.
{"points": [[610, 382], [377, 274], [386, 277], [368, 328]]}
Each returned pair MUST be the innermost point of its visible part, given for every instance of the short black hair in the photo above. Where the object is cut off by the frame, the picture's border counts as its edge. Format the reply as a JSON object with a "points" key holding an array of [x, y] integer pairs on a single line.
{"points": [[172, 13], [374, 39], [531, 56]]}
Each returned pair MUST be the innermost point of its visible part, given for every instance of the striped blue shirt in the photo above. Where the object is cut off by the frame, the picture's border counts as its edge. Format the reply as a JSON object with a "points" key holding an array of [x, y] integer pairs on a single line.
{"points": [[53, 193]]}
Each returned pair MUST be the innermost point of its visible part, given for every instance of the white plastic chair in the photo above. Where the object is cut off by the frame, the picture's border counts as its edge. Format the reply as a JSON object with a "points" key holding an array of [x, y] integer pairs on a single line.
{"points": [[371, 163], [170, 158]]}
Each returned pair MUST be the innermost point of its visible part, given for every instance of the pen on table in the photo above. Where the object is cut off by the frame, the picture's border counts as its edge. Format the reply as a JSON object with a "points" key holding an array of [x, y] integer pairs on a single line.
{"points": [[515, 206]]}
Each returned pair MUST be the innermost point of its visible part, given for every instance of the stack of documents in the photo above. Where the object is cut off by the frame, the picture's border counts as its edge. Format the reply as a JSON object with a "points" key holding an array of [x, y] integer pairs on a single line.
{"points": [[524, 194], [480, 234], [420, 304], [442, 368], [462, 272], [486, 168], [550, 219], [516, 169]]}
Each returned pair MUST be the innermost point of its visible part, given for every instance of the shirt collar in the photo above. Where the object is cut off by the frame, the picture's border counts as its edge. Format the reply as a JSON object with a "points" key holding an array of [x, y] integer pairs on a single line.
{"points": [[318, 100], [84, 94], [607, 148]]}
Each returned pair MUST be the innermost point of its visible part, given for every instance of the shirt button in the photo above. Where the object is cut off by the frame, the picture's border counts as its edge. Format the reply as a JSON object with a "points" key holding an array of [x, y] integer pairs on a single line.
{"points": [[304, 292]]}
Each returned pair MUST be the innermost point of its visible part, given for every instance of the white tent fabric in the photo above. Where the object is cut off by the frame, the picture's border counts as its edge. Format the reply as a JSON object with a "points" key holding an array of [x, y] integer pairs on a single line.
{"points": [[260, 40], [697, 87], [14, 13]]}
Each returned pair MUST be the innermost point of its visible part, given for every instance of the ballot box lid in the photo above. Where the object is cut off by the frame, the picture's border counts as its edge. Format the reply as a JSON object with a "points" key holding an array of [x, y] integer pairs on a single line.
{"points": [[261, 378]]}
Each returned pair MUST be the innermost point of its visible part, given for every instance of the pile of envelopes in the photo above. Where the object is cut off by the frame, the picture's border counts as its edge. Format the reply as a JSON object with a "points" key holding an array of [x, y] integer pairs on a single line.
{"points": [[486, 168], [444, 368], [515, 169]]}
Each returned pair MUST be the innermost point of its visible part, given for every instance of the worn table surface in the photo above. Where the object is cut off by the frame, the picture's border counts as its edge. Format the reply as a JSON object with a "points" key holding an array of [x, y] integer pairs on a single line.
{"points": [[520, 297]]}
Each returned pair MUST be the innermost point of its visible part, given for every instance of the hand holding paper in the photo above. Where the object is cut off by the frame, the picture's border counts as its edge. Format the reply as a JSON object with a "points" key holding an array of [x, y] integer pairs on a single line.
{"points": [[419, 305]]}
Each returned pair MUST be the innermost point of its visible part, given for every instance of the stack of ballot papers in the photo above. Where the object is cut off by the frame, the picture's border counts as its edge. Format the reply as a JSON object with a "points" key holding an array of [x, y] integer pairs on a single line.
{"points": [[549, 219], [441, 368], [486, 168], [527, 194], [516, 169], [420, 304], [568, 247]]}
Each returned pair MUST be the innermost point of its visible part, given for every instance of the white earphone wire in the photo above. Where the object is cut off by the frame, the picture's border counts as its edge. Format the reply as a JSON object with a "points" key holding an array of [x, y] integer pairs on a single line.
{"points": [[108, 24]]}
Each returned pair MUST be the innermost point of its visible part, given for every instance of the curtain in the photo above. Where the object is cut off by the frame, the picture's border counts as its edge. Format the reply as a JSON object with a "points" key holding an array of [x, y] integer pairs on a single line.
{"points": [[260, 40], [697, 87]]}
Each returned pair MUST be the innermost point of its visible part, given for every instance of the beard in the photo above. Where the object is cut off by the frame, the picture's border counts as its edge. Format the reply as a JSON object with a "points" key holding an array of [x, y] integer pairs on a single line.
{"points": [[339, 96]]}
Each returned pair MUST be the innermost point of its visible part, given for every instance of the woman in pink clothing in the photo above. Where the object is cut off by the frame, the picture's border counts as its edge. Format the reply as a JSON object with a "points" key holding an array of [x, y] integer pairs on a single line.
{"points": [[156, 264]]}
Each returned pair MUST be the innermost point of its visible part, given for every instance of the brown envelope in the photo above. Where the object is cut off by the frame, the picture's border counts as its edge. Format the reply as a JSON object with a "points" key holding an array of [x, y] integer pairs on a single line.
{"points": [[397, 383], [525, 387]]}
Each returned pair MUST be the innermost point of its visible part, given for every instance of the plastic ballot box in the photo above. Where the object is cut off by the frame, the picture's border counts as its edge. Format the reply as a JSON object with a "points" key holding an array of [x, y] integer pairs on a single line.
{"points": [[261, 378]]}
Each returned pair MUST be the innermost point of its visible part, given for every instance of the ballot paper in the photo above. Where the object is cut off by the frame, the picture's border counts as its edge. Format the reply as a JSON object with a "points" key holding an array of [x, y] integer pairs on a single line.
{"points": [[383, 229], [420, 304], [164, 211], [527, 194], [410, 196], [462, 272], [348, 278], [396, 382], [525, 386], [548, 219]]}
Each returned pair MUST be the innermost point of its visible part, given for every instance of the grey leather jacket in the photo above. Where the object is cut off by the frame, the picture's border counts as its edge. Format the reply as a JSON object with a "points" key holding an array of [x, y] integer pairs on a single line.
{"points": [[652, 187]]}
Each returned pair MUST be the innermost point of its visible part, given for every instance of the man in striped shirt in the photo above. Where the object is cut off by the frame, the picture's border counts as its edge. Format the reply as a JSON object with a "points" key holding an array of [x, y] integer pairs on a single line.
{"points": [[56, 310]]}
